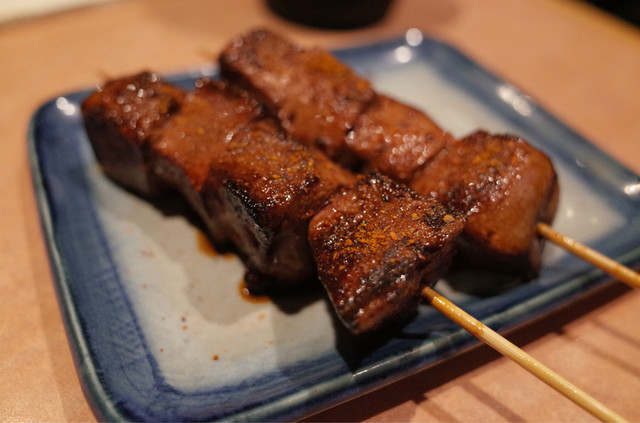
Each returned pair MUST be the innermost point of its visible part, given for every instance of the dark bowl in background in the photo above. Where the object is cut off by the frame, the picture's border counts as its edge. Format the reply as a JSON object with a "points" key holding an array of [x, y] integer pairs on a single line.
{"points": [[332, 14]]}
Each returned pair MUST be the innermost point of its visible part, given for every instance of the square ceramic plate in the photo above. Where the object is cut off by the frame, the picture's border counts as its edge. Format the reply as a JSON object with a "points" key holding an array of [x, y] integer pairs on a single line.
{"points": [[156, 321]]}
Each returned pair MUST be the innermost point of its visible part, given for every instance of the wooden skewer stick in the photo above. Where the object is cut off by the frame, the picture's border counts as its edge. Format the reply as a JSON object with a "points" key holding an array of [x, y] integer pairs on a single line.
{"points": [[509, 350], [612, 267]]}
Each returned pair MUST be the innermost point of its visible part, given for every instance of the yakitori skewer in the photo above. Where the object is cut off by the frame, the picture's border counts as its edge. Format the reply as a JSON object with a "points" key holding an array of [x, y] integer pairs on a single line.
{"points": [[509, 350], [599, 260], [504, 185], [508, 188]]}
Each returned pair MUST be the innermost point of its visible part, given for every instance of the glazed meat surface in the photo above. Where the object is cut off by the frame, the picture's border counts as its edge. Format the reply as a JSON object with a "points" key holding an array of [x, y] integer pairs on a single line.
{"points": [[395, 139], [268, 187], [196, 134], [119, 119], [375, 245], [183, 149], [506, 187], [316, 98]]}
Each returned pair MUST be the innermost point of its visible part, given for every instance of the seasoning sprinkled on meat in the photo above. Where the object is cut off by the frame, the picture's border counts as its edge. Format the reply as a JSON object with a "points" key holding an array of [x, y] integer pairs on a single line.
{"points": [[375, 245], [267, 188]]}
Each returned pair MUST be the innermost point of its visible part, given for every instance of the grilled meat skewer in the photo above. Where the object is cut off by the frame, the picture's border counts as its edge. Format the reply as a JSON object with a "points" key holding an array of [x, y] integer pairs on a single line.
{"points": [[260, 190], [323, 104], [405, 144]]}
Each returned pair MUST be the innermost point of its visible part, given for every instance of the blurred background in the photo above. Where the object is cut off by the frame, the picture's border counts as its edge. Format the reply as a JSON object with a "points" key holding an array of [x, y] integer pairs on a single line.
{"points": [[628, 10], [10, 10]]}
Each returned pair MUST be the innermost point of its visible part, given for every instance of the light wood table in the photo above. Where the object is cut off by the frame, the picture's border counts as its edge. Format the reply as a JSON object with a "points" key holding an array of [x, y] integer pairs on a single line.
{"points": [[580, 64]]}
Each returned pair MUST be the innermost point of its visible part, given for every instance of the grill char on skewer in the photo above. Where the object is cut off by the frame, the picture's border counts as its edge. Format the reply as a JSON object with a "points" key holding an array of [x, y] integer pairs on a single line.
{"points": [[402, 143], [258, 189]]}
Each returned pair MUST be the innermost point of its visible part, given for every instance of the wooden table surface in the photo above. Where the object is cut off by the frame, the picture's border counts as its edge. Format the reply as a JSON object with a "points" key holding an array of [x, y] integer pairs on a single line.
{"points": [[582, 65]]}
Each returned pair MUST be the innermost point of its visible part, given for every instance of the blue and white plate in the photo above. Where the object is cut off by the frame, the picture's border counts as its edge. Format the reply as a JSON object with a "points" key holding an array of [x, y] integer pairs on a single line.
{"points": [[157, 324]]}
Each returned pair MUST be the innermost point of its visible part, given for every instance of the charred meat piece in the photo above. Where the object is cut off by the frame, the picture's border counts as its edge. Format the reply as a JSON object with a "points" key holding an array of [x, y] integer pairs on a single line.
{"points": [[267, 188], [505, 186], [316, 98], [395, 139], [375, 245], [119, 119], [182, 151]]}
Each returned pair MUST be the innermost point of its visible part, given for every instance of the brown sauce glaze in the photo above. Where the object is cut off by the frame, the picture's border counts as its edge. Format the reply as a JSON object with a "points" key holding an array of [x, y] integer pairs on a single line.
{"points": [[246, 295]]}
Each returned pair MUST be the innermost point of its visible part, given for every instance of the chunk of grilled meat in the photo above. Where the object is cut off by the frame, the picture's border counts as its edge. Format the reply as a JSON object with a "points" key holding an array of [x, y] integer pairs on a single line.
{"points": [[119, 119], [375, 245], [245, 201], [506, 187], [267, 188], [395, 139], [316, 98]]}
